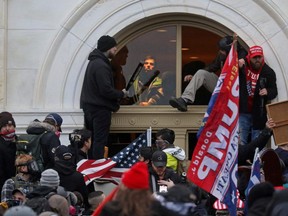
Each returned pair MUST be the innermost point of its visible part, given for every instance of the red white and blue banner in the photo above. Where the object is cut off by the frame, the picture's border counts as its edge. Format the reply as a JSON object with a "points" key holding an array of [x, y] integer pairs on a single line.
{"points": [[214, 161], [111, 169], [255, 176]]}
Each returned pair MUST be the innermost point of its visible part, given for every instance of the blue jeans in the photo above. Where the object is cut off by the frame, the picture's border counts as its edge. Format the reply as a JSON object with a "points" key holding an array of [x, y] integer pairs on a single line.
{"points": [[246, 129]]}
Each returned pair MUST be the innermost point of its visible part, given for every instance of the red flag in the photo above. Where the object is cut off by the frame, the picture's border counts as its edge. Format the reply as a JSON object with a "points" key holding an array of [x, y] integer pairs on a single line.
{"points": [[214, 161]]}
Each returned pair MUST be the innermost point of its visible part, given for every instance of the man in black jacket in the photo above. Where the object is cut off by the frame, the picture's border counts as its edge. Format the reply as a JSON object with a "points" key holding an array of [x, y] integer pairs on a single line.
{"points": [[207, 77], [70, 178], [257, 86], [48, 132], [99, 98], [7, 147], [161, 176]]}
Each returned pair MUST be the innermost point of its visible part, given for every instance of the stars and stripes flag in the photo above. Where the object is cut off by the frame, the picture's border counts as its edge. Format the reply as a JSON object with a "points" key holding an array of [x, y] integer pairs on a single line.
{"points": [[112, 169], [213, 165]]}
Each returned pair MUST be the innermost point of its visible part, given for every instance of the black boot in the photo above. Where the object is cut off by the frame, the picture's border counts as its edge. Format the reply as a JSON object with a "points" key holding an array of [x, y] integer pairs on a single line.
{"points": [[178, 103]]}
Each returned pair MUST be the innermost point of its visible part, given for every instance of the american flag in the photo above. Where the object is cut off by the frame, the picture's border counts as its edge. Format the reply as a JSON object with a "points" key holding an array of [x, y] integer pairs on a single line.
{"points": [[112, 169]]}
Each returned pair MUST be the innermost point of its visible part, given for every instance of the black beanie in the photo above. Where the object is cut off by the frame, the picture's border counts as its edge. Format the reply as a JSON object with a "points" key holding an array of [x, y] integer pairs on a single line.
{"points": [[6, 118], [105, 43]]}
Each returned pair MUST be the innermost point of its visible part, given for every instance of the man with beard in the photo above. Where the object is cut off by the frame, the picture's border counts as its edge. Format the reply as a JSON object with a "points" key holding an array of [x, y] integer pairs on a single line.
{"points": [[257, 86], [99, 98]]}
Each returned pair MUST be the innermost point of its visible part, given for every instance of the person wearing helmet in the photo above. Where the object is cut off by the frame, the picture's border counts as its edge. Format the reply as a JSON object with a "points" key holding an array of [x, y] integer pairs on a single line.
{"points": [[207, 77]]}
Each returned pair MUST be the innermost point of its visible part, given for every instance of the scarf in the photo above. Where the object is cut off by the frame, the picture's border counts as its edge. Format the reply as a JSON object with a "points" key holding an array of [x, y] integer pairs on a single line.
{"points": [[8, 135]]}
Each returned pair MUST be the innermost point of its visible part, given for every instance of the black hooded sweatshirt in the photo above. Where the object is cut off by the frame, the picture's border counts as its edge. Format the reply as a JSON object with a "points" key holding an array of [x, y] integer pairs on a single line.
{"points": [[98, 90], [71, 179]]}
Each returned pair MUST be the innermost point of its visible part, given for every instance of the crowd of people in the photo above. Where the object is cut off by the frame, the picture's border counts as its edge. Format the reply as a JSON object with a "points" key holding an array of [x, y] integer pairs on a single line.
{"points": [[44, 180]]}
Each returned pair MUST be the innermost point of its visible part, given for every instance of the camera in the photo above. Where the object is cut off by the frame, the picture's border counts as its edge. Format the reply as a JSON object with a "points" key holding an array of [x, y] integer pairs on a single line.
{"points": [[75, 139], [33, 168], [262, 82], [183, 177], [12, 203]]}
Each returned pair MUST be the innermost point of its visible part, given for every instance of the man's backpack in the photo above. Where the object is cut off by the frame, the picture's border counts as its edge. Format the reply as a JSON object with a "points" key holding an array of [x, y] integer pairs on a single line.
{"points": [[30, 144]]}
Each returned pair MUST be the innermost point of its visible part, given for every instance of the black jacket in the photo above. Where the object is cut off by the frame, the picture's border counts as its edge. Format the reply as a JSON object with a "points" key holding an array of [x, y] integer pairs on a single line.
{"points": [[81, 155], [7, 160], [98, 90], [246, 152], [220, 59], [41, 191], [259, 113], [71, 179], [169, 174], [49, 141]]}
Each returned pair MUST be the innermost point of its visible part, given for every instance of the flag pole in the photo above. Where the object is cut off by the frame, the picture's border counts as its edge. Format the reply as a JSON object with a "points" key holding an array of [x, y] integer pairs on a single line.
{"points": [[149, 137]]}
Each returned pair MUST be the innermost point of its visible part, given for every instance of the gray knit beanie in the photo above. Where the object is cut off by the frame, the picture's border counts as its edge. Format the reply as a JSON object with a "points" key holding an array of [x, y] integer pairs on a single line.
{"points": [[50, 178]]}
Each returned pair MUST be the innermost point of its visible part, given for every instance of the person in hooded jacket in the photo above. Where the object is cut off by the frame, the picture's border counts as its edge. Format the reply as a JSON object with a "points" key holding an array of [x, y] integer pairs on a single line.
{"points": [[257, 83], [98, 97], [38, 198], [165, 142], [7, 147], [70, 178], [49, 130]]}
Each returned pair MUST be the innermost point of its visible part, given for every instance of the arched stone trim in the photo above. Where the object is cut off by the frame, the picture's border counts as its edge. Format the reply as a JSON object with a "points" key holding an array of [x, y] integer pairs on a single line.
{"points": [[60, 77]]}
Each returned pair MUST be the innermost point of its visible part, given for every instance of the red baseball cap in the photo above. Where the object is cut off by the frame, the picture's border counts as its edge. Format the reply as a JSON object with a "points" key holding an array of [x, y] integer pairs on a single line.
{"points": [[255, 51]]}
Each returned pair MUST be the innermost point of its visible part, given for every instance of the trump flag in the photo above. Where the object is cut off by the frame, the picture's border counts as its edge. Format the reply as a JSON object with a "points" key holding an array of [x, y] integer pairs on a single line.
{"points": [[112, 169], [213, 165]]}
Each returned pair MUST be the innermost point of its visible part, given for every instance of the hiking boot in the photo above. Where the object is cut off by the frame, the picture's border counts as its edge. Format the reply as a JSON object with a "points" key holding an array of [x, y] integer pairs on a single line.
{"points": [[178, 103]]}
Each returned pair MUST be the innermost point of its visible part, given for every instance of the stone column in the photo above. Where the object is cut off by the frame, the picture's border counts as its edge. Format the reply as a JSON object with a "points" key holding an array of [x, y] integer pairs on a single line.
{"points": [[3, 40]]}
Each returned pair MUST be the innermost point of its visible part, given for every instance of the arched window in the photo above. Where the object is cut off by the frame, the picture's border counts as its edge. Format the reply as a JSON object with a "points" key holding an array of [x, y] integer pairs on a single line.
{"points": [[176, 50]]}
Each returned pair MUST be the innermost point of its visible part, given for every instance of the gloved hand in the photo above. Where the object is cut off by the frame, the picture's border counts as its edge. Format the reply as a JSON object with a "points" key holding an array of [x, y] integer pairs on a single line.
{"points": [[126, 93]]}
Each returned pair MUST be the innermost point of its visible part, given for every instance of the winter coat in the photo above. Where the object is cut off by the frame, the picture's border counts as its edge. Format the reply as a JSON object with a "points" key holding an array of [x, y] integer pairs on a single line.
{"points": [[112, 208], [259, 113], [15, 183], [220, 59], [49, 141], [81, 155], [41, 191], [98, 90], [7, 160], [169, 174], [246, 152], [174, 154], [71, 179]]}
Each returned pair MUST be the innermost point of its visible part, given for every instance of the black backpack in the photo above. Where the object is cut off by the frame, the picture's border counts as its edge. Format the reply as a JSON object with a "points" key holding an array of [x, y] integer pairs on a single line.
{"points": [[39, 204], [30, 144]]}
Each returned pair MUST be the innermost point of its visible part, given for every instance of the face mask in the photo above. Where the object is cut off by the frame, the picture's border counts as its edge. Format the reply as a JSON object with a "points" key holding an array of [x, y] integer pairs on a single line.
{"points": [[58, 133], [8, 135]]}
